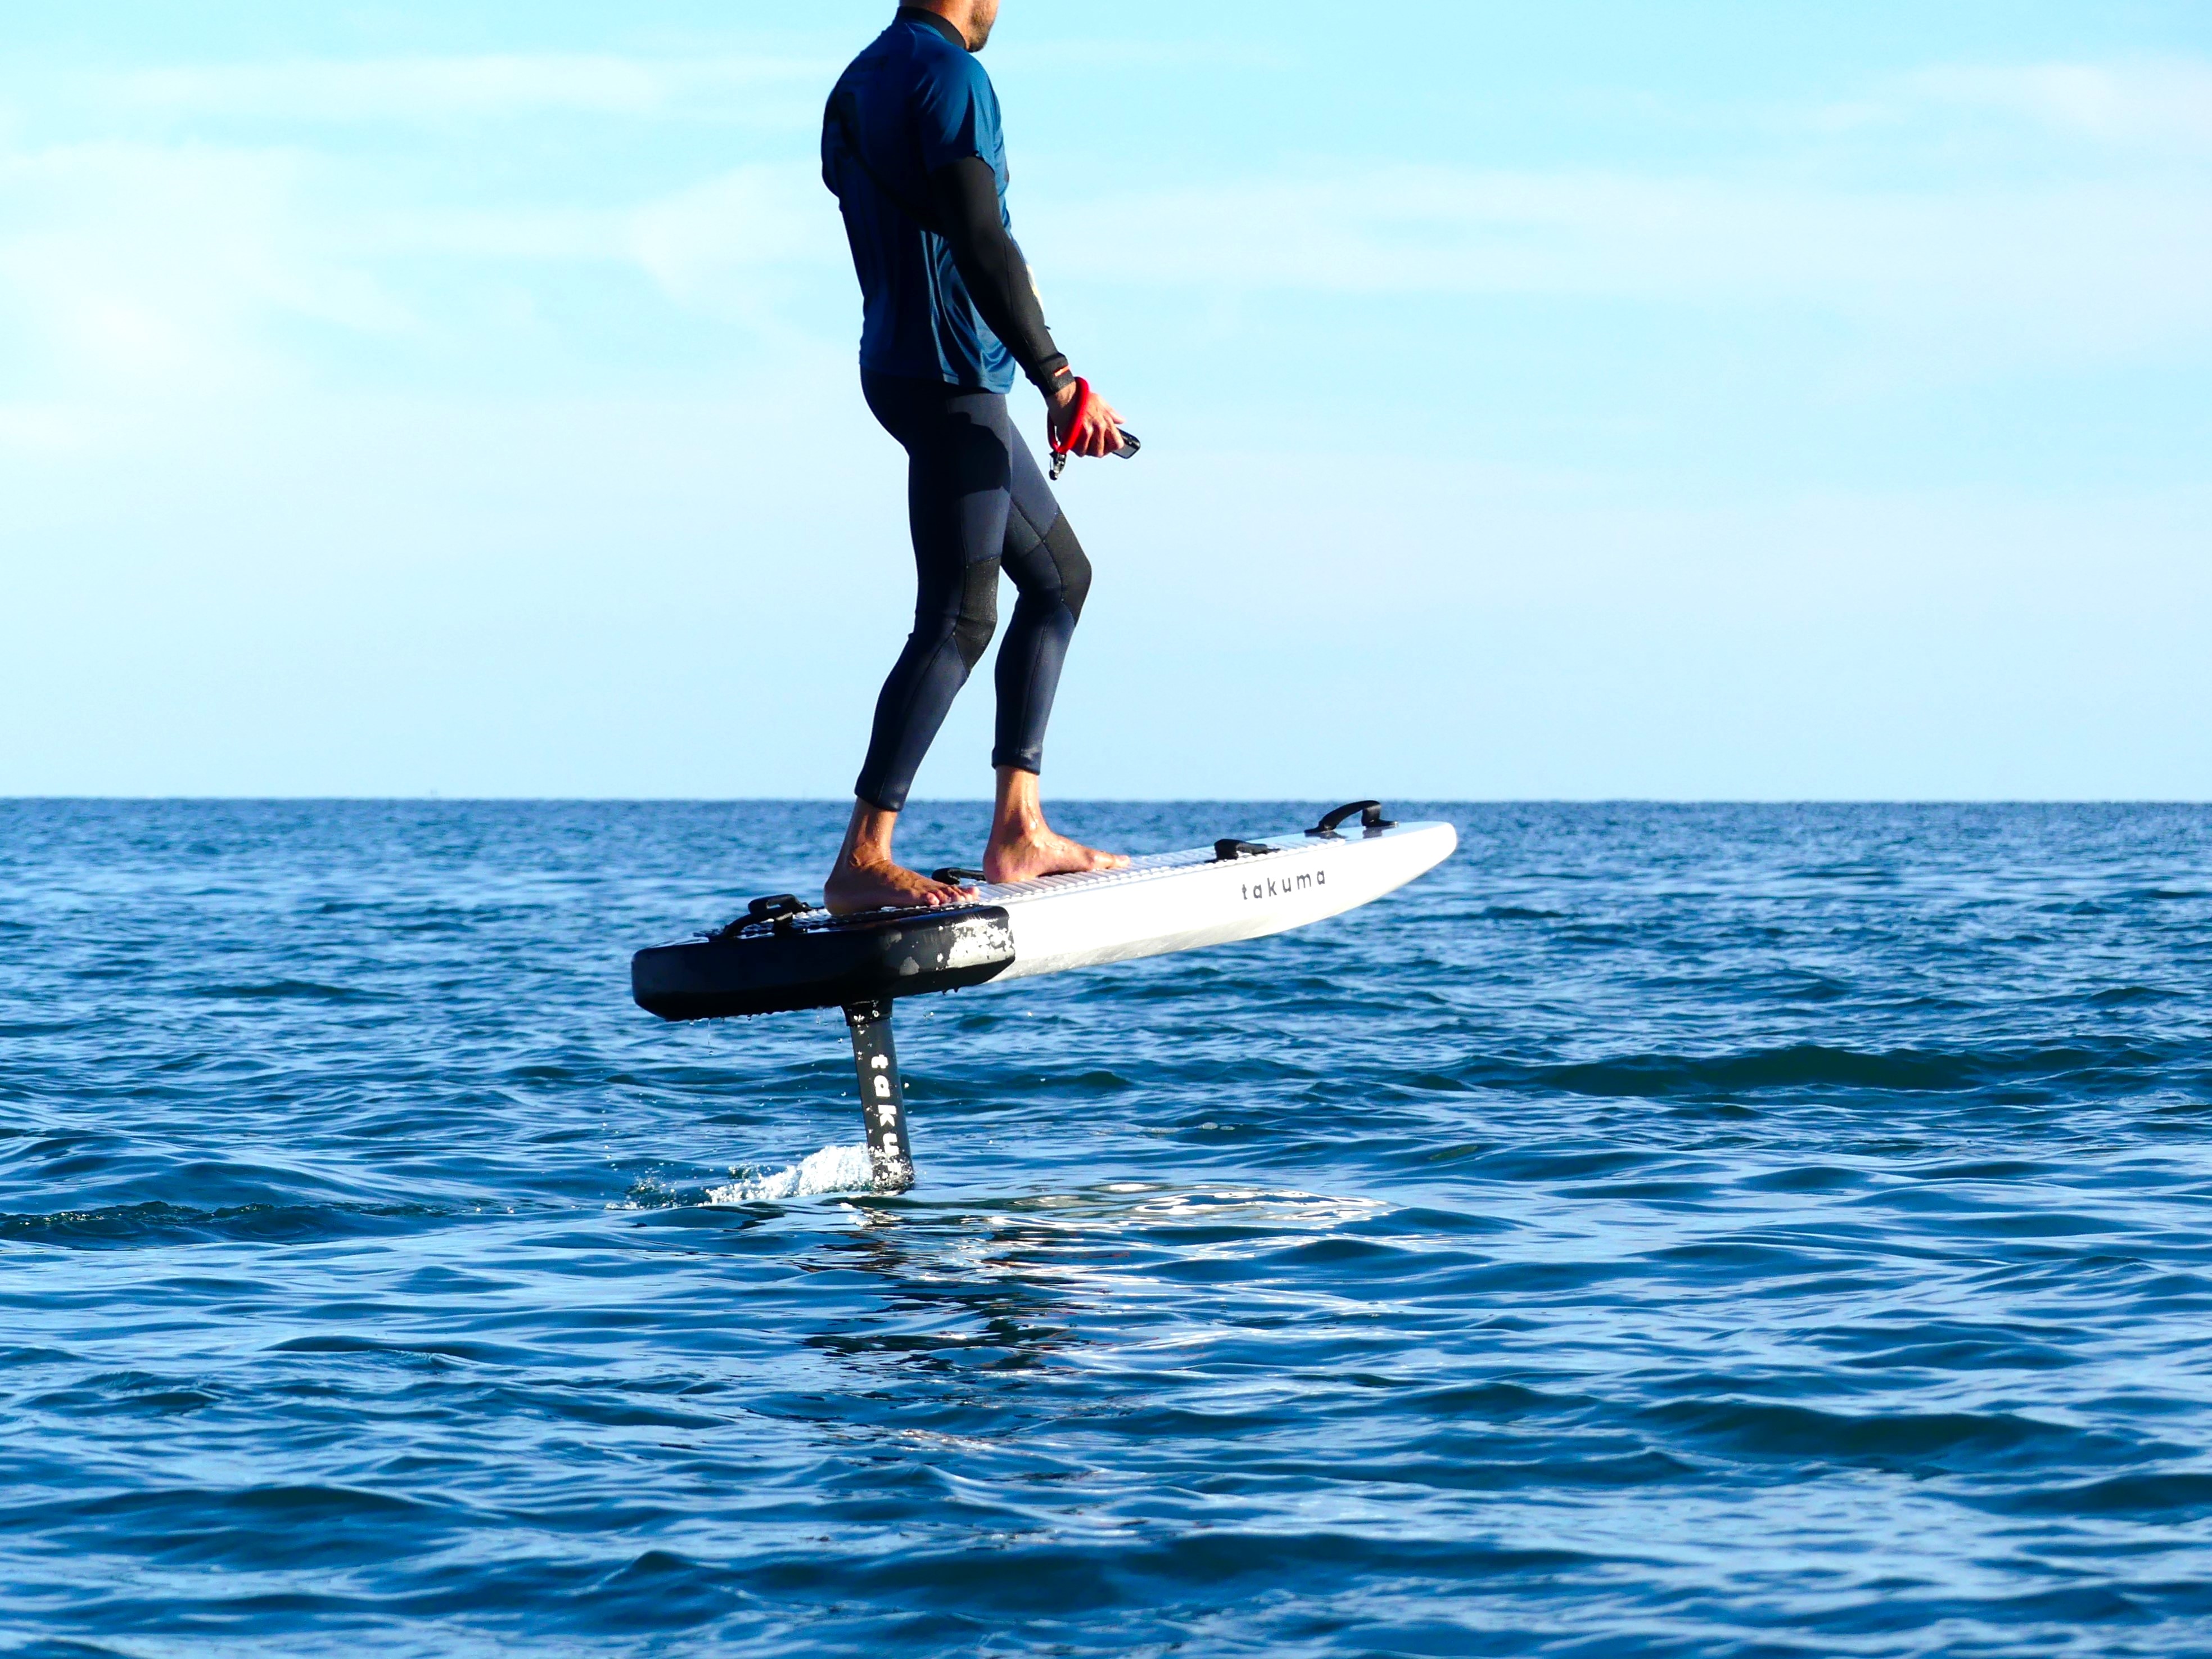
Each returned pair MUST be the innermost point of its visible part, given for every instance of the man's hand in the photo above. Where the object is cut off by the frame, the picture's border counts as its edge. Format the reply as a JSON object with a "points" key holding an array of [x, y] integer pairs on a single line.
{"points": [[1081, 423]]}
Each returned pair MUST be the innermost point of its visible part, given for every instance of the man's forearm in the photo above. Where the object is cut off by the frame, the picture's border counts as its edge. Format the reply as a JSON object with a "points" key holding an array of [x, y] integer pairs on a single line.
{"points": [[991, 263]]}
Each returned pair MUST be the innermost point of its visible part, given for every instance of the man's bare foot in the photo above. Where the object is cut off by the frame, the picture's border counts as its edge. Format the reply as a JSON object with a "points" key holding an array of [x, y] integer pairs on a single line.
{"points": [[1024, 845], [867, 878], [1027, 855], [879, 884]]}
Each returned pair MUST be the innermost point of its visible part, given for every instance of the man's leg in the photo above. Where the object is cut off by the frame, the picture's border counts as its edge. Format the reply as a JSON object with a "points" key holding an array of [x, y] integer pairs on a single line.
{"points": [[957, 504], [1052, 576], [1053, 579]]}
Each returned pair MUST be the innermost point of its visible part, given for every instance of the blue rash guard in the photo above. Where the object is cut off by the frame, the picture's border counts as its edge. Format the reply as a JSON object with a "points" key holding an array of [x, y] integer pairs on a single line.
{"points": [[904, 118]]}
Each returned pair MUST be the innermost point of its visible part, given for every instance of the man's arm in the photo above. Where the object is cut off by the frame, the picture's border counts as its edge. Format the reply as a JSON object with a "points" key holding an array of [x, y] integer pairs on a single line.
{"points": [[966, 194], [998, 277]]}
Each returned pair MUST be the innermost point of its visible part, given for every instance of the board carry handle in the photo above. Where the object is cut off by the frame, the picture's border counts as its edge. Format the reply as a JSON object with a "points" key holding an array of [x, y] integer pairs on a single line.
{"points": [[957, 876], [1370, 818], [1229, 848]]}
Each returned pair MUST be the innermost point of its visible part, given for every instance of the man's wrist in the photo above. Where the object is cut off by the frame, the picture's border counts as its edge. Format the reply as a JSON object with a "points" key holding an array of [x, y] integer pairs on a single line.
{"points": [[1052, 376]]}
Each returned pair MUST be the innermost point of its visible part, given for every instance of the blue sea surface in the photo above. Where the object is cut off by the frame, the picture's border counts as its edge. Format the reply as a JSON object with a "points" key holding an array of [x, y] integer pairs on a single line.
{"points": [[1662, 1230]]}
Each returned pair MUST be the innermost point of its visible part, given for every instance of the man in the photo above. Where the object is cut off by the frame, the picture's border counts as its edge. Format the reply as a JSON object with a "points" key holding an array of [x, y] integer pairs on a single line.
{"points": [[912, 148]]}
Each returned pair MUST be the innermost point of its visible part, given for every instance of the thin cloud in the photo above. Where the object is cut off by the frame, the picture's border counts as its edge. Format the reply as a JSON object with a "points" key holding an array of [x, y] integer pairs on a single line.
{"points": [[2072, 271], [2064, 232], [1126, 54], [135, 275], [186, 261], [741, 90], [710, 246], [2164, 105], [132, 265]]}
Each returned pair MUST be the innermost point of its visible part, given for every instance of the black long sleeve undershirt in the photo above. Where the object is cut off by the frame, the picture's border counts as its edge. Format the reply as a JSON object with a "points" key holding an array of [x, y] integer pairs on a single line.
{"points": [[990, 262]]}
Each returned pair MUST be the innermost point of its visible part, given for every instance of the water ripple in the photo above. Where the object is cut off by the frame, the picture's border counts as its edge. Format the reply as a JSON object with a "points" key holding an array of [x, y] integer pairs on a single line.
{"points": [[1664, 1231]]}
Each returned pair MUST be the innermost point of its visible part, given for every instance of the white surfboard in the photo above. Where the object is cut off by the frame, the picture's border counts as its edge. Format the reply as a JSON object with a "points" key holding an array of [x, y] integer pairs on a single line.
{"points": [[1183, 901], [785, 955]]}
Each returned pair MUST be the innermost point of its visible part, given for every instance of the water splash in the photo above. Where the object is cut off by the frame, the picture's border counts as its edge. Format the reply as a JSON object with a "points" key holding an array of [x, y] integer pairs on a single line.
{"points": [[832, 1169]]}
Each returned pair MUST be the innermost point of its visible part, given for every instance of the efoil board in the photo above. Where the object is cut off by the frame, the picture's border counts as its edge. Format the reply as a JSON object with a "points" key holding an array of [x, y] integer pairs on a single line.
{"points": [[1164, 902]]}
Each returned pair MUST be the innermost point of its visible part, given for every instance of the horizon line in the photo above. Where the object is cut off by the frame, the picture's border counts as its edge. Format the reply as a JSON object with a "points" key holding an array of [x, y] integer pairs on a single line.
{"points": [[437, 799]]}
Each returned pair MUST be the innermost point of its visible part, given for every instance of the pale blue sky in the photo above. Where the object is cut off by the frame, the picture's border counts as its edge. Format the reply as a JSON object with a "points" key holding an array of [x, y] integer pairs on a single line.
{"points": [[1679, 400]]}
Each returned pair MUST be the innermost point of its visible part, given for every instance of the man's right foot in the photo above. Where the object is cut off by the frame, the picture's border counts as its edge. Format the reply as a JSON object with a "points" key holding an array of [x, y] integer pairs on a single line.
{"points": [[854, 888], [1026, 854]]}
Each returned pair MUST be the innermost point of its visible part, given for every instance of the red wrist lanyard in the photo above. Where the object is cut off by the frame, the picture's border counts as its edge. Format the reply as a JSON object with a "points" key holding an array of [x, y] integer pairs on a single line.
{"points": [[1062, 446]]}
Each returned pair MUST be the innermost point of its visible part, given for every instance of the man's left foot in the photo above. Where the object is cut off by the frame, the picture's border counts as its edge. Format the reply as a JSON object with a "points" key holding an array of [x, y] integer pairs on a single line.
{"points": [[1041, 852]]}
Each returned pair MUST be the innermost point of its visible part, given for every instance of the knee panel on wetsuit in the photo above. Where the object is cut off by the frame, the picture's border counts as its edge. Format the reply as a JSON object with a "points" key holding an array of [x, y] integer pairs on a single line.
{"points": [[1074, 567], [979, 610]]}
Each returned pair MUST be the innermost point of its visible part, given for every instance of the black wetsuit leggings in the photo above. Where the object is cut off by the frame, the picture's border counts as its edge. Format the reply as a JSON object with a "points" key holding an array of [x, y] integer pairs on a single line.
{"points": [[978, 504]]}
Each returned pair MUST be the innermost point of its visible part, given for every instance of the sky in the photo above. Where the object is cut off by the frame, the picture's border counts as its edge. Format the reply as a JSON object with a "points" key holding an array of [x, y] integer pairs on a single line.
{"points": [[1609, 398]]}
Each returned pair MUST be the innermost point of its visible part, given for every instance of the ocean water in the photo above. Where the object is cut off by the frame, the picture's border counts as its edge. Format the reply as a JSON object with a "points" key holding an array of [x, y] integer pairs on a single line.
{"points": [[1661, 1231]]}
